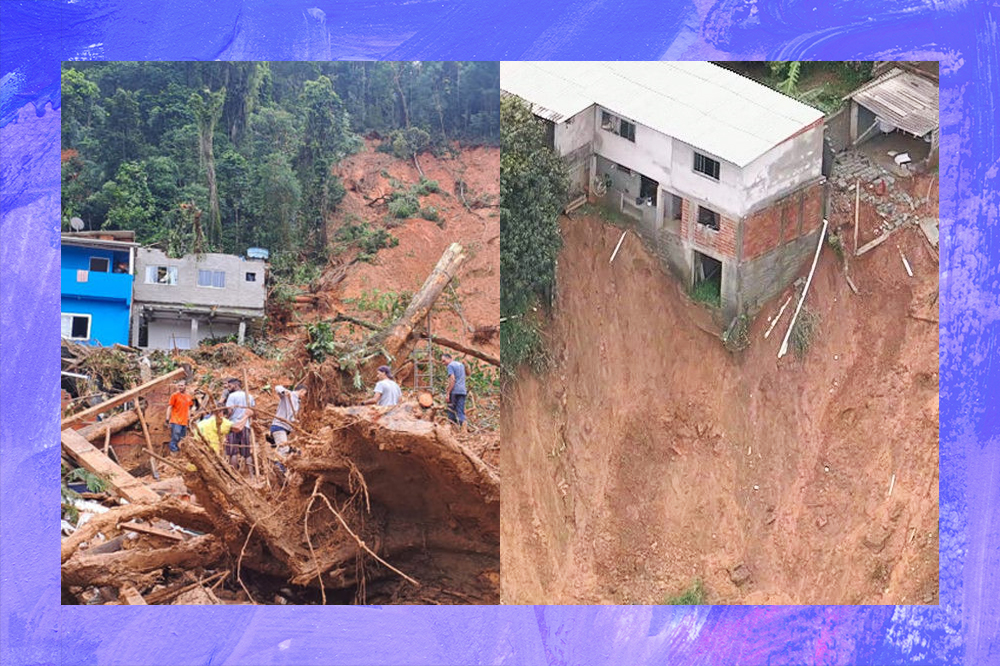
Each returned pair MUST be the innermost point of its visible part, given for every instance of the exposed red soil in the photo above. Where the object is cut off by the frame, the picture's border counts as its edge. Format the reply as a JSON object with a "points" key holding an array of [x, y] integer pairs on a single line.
{"points": [[649, 456]]}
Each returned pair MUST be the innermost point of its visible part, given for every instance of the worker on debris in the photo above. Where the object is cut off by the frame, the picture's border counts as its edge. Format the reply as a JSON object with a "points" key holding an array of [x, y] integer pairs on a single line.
{"points": [[213, 428], [178, 414], [455, 390], [240, 405], [387, 391], [288, 408]]}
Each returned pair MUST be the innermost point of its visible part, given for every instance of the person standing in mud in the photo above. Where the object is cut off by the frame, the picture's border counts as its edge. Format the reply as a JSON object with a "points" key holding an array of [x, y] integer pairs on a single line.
{"points": [[178, 415], [387, 391], [240, 406], [456, 390], [288, 408]]}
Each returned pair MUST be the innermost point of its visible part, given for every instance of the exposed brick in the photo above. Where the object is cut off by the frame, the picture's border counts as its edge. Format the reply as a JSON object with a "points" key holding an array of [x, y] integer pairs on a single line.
{"points": [[764, 230]]}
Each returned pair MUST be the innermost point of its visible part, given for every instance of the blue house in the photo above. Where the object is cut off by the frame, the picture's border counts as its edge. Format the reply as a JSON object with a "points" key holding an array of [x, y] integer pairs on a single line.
{"points": [[97, 286]]}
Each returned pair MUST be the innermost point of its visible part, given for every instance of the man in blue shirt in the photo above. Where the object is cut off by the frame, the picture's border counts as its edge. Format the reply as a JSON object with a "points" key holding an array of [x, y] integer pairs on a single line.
{"points": [[456, 390]]}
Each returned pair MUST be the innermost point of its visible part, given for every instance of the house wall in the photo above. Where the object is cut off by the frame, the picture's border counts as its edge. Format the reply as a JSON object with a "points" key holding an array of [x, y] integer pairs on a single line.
{"points": [[238, 293], [78, 258], [108, 319], [573, 140], [163, 332], [778, 241], [784, 168]]}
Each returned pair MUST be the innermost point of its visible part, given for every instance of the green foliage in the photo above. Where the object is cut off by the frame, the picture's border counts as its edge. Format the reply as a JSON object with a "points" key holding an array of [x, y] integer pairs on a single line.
{"points": [[533, 187], [693, 596], [430, 213], [387, 304], [321, 342], [707, 292], [95, 484], [403, 206], [836, 243], [365, 238], [521, 343], [805, 330], [737, 336], [483, 378]]}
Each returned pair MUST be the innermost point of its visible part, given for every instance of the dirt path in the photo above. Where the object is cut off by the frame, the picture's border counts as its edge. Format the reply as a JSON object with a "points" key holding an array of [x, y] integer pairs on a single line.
{"points": [[649, 456]]}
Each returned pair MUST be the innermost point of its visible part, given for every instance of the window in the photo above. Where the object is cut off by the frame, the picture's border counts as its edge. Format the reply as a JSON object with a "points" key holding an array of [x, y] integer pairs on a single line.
{"points": [[161, 275], [251, 277], [616, 125], [627, 130], [624, 169], [706, 165], [75, 326], [216, 279], [99, 264], [708, 217]]}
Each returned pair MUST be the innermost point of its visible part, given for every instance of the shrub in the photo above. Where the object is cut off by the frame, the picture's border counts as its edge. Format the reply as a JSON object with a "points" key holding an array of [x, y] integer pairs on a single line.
{"points": [[806, 327], [707, 292], [367, 239], [321, 341], [403, 205], [521, 342], [693, 596], [430, 213]]}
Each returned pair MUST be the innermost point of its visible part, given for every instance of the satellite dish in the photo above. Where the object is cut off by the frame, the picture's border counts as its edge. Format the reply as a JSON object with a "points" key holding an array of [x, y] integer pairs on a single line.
{"points": [[76, 224]]}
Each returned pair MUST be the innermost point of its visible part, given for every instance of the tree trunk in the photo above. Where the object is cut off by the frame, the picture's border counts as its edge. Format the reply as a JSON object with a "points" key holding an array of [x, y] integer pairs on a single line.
{"points": [[95, 432], [112, 568], [423, 301]]}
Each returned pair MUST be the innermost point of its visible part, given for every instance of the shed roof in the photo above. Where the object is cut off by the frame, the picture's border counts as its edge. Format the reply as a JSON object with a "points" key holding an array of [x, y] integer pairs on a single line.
{"points": [[907, 100], [711, 108]]}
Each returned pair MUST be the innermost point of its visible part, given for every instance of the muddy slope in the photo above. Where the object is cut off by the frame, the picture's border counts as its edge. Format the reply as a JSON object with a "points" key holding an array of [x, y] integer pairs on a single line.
{"points": [[649, 456]]}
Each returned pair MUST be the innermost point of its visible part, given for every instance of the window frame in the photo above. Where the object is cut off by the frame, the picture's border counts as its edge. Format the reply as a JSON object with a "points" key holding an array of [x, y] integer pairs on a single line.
{"points": [[213, 275], [251, 276], [88, 317], [155, 270], [611, 122], [717, 217], [107, 263], [707, 161]]}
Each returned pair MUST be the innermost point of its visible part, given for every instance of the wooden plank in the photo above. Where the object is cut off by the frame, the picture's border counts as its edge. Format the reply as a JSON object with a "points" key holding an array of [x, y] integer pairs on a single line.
{"points": [[857, 212], [121, 398], [850, 283], [875, 243], [130, 596], [155, 531], [617, 247], [92, 460], [149, 442]]}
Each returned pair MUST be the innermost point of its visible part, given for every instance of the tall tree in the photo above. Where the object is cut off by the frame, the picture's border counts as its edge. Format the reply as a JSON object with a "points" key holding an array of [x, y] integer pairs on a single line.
{"points": [[207, 109]]}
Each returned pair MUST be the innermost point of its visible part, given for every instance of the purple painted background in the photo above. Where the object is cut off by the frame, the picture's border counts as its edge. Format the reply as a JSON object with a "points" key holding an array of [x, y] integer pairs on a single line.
{"points": [[37, 36]]}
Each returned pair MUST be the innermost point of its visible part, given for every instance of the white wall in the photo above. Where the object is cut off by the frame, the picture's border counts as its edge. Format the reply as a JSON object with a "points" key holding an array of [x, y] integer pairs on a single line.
{"points": [[575, 133], [784, 168], [163, 332]]}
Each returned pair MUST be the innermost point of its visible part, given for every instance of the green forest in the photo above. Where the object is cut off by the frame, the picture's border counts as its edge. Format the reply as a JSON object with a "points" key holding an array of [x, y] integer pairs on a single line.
{"points": [[221, 156]]}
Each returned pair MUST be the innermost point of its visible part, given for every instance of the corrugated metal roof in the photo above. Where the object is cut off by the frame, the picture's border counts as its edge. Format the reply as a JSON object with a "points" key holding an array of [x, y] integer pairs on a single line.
{"points": [[907, 100], [713, 109]]}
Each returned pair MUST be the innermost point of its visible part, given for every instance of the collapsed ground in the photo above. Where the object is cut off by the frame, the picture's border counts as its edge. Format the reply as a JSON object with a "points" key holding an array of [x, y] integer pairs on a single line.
{"points": [[375, 506], [648, 459]]}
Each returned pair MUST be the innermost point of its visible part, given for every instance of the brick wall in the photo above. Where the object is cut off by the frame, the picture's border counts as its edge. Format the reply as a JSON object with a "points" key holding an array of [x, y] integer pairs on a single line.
{"points": [[721, 242], [785, 220]]}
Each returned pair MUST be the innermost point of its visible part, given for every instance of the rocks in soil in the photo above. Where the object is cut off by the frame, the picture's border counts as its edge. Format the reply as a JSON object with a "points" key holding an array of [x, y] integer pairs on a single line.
{"points": [[740, 575]]}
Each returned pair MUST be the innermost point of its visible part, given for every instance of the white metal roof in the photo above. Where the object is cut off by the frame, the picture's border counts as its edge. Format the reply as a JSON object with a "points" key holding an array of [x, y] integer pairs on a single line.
{"points": [[908, 101], [711, 108]]}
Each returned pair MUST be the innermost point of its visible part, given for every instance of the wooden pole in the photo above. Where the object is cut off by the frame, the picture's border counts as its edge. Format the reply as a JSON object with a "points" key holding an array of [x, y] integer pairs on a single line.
{"points": [[253, 441], [149, 442], [788, 334], [857, 212], [107, 438], [119, 399]]}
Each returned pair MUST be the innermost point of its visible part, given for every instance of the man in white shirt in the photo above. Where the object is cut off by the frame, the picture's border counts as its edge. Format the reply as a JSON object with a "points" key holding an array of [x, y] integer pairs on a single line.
{"points": [[387, 391]]}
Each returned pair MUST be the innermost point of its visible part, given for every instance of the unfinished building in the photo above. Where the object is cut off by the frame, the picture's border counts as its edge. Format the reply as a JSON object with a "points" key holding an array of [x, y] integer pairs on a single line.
{"points": [[722, 175]]}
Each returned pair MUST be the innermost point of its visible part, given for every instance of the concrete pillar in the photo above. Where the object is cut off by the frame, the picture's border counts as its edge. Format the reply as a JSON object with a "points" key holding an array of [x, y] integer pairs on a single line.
{"points": [[194, 332], [136, 322], [243, 331], [854, 122]]}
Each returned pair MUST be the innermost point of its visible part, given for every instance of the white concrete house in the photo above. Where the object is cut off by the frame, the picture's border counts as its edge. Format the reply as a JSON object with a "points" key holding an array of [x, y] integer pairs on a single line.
{"points": [[180, 302], [722, 174]]}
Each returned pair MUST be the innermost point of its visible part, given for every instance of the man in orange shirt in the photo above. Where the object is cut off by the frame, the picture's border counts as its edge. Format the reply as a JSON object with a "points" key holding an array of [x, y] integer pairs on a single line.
{"points": [[178, 414]]}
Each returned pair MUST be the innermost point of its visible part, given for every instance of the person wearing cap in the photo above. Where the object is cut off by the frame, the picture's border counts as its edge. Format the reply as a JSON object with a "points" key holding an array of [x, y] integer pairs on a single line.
{"points": [[288, 408], [240, 406], [387, 391]]}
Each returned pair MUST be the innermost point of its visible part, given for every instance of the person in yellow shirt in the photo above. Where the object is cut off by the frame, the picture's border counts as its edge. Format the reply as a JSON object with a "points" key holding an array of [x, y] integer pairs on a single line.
{"points": [[213, 428]]}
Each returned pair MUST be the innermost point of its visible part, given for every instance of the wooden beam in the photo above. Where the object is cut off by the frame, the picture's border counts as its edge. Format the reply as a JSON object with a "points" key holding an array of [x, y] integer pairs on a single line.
{"points": [[92, 460], [875, 243], [459, 347], [155, 531], [95, 431], [130, 596], [121, 398]]}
